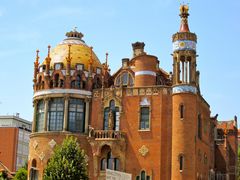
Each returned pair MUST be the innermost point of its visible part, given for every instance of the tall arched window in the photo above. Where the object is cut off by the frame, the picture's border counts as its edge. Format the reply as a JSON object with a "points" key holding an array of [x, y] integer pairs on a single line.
{"points": [[181, 111], [76, 115], [199, 126], [110, 162], [55, 114], [56, 80], [144, 118], [181, 161], [124, 79], [143, 176], [78, 82], [115, 113], [33, 170], [40, 116]]}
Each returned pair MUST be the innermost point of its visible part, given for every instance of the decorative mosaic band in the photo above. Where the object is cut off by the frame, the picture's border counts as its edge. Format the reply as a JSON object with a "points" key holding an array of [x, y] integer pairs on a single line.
{"points": [[184, 88], [151, 73], [184, 45], [62, 91]]}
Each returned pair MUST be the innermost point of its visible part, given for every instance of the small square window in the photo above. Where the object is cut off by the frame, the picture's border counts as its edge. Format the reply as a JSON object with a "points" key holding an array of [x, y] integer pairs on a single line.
{"points": [[57, 66], [98, 70], [79, 67], [42, 68]]}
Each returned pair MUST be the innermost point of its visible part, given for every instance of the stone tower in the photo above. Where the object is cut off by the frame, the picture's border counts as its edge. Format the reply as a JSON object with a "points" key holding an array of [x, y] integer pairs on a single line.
{"points": [[184, 101]]}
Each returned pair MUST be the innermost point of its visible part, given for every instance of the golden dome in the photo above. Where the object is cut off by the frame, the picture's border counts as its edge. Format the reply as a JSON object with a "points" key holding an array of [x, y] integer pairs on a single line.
{"points": [[80, 52]]}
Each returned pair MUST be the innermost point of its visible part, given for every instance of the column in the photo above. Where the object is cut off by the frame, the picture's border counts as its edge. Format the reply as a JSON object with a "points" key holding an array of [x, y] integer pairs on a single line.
{"points": [[86, 114], [34, 116], [65, 120], [186, 73], [46, 101], [182, 71]]}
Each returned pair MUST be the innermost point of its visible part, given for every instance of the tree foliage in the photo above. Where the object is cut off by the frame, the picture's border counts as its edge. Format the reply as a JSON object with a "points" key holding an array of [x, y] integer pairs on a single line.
{"points": [[3, 175], [21, 174], [68, 162]]}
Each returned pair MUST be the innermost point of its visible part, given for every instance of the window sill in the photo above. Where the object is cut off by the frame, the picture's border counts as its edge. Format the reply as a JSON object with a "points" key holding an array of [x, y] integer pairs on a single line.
{"points": [[144, 130]]}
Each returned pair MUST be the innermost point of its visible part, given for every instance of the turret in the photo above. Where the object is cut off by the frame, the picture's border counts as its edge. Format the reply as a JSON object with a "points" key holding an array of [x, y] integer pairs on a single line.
{"points": [[146, 66], [184, 101]]}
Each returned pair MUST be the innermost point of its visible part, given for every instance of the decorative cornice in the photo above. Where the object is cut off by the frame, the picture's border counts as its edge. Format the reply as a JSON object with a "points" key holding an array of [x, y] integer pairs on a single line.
{"points": [[62, 91]]}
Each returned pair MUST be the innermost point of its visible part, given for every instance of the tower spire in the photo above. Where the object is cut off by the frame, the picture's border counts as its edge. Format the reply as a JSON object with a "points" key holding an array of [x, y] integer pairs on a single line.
{"points": [[184, 18]]}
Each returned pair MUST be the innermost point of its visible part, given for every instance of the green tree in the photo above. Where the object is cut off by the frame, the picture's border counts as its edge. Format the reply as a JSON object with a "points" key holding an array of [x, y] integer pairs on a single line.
{"points": [[3, 175], [21, 174], [68, 162]]}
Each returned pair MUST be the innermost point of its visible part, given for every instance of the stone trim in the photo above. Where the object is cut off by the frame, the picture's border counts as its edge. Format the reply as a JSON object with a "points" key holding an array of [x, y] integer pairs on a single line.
{"points": [[62, 91]]}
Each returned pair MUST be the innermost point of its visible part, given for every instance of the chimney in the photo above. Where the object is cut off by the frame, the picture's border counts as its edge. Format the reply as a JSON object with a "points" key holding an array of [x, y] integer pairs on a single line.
{"points": [[138, 48], [125, 63]]}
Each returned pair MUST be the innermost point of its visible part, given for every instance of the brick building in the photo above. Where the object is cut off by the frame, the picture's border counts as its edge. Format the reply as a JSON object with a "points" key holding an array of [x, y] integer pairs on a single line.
{"points": [[14, 141], [140, 120]]}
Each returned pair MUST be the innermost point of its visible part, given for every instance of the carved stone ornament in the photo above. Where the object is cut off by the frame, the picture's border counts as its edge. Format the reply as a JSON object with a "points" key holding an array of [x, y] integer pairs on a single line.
{"points": [[41, 156], [52, 143], [35, 145], [96, 94], [143, 150], [145, 102], [149, 91], [142, 92], [135, 92]]}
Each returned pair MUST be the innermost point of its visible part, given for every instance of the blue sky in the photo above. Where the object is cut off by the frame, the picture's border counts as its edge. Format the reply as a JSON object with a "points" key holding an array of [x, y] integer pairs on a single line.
{"points": [[111, 26]]}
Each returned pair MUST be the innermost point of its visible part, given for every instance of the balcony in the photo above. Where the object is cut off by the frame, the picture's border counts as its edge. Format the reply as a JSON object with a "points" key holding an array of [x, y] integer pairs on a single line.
{"points": [[106, 134]]}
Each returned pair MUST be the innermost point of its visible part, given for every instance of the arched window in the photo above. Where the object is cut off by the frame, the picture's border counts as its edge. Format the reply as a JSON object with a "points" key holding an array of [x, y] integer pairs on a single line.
{"points": [[55, 114], [76, 115], [115, 113], [33, 170], [61, 83], [181, 110], [181, 161], [103, 164], [97, 84], [56, 80], [199, 126], [73, 84], [143, 176], [124, 79], [78, 82], [40, 116], [144, 118], [108, 161]]}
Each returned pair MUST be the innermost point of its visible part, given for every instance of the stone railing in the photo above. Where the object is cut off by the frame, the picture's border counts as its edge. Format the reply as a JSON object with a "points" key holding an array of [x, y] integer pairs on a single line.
{"points": [[106, 134]]}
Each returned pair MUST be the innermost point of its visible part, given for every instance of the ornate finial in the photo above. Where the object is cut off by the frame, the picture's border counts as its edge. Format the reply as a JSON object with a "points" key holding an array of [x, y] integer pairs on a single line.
{"points": [[37, 58], [106, 58], [49, 47], [69, 58], [48, 59], [184, 16], [75, 29]]}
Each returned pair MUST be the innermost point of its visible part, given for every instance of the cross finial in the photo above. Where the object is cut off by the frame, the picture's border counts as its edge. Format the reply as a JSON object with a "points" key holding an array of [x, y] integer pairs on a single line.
{"points": [[75, 29]]}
